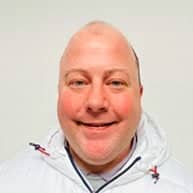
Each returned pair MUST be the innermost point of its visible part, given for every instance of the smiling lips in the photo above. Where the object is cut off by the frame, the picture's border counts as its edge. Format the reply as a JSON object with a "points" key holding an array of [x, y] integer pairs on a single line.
{"points": [[96, 125]]}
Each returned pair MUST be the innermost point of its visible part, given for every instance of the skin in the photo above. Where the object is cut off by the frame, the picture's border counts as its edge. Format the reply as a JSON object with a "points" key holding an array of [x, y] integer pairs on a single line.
{"points": [[99, 99]]}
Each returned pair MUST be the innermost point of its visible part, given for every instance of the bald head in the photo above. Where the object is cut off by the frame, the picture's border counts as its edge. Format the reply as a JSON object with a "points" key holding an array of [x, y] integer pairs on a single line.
{"points": [[101, 31]]}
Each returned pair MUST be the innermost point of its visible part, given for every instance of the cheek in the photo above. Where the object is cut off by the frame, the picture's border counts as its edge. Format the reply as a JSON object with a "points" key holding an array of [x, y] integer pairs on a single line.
{"points": [[69, 103], [125, 104]]}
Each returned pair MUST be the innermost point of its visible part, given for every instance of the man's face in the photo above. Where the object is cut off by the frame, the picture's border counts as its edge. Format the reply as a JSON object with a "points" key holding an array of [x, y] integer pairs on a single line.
{"points": [[99, 100]]}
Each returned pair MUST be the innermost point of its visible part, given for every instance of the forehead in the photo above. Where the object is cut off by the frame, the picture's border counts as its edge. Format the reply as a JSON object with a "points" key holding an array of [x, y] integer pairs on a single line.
{"points": [[100, 48], [108, 39], [98, 52]]}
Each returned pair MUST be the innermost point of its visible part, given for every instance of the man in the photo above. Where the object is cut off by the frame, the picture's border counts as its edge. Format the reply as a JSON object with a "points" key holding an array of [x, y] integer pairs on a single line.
{"points": [[106, 142]]}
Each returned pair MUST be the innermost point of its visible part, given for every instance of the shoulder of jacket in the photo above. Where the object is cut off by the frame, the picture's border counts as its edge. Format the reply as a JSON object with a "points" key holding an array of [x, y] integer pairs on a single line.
{"points": [[175, 172], [21, 165]]}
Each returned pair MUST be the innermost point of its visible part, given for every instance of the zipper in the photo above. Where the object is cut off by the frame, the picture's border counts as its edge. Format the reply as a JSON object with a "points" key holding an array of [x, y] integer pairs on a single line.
{"points": [[117, 176], [107, 183], [77, 171]]}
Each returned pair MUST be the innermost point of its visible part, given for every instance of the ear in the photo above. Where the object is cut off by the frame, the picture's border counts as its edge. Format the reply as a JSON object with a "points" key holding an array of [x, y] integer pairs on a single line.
{"points": [[141, 90]]}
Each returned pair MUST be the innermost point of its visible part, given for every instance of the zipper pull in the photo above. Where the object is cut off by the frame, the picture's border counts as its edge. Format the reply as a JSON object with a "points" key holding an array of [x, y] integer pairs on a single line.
{"points": [[155, 174], [39, 148]]}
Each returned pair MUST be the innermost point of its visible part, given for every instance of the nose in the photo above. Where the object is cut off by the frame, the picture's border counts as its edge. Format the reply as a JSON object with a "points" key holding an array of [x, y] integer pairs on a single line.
{"points": [[96, 101]]}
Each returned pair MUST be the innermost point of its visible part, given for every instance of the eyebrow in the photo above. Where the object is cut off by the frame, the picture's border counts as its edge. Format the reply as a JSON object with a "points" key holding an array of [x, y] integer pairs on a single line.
{"points": [[75, 70], [106, 74], [109, 72]]}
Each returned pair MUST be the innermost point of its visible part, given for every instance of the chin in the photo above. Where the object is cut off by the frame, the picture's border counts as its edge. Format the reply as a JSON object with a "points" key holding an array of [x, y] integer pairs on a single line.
{"points": [[96, 161], [98, 156]]}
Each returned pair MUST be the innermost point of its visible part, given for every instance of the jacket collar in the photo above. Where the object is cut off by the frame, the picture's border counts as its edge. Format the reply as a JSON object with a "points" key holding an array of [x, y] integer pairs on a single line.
{"points": [[151, 147]]}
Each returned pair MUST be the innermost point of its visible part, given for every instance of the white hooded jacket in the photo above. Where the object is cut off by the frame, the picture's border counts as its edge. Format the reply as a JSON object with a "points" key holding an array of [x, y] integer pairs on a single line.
{"points": [[51, 169]]}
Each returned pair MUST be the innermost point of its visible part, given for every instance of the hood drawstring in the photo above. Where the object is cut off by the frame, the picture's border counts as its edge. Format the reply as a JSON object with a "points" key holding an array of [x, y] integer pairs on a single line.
{"points": [[39, 148], [155, 174]]}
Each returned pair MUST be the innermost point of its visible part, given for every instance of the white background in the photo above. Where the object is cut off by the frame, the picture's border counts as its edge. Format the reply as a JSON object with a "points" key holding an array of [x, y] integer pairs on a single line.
{"points": [[33, 35]]}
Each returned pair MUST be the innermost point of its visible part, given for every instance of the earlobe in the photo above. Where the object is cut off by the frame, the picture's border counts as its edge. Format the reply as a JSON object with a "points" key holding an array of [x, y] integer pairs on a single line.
{"points": [[141, 90]]}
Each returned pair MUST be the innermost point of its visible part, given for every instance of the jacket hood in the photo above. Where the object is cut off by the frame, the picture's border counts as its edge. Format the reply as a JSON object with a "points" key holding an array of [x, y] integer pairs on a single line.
{"points": [[151, 152]]}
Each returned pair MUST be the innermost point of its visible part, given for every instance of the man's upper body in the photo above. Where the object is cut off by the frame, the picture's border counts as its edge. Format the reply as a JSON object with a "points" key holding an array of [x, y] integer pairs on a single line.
{"points": [[150, 168], [106, 143]]}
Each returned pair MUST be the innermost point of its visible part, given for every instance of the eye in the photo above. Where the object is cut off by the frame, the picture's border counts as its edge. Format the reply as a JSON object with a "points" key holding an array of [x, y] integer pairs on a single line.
{"points": [[117, 84], [78, 83]]}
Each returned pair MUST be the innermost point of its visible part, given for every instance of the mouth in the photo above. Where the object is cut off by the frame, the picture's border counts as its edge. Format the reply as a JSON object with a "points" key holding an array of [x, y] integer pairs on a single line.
{"points": [[96, 125]]}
